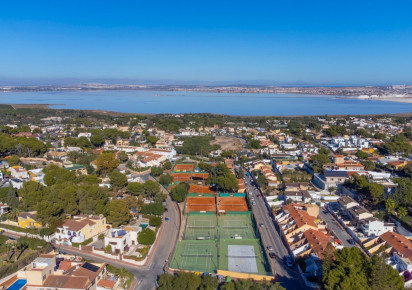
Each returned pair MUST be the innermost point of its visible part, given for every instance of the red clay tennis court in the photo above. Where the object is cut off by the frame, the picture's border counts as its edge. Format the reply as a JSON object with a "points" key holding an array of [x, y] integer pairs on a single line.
{"points": [[200, 204], [182, 177], [200, 189], [184, 167], [231, 204]]}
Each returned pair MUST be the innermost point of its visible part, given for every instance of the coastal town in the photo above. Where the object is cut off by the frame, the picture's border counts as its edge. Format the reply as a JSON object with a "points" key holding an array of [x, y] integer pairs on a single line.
{"points": [[397, 93], [127, 201]]}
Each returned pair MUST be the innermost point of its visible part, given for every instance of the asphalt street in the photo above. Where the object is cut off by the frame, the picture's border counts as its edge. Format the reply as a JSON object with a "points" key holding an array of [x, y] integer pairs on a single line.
{"points": [[287, 276], [336, 228]]}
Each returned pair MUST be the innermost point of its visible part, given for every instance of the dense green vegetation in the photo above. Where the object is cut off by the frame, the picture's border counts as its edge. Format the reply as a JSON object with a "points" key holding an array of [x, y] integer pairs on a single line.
{"points": [[66, 194], [220, 176], [155, 208], [318, 160], [21, 146], [197, 145], [191, 281], [146, 237], [165, 179], [180, 191], [351, 269]]}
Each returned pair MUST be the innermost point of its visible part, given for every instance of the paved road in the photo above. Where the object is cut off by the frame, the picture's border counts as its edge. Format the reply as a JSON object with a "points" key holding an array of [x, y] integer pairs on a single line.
{"points": [[336, 228], [288, 277], [146, 275]]}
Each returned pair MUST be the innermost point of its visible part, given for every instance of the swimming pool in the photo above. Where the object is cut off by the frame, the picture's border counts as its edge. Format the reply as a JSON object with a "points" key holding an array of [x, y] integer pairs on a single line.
{"points": [[18, 284]]}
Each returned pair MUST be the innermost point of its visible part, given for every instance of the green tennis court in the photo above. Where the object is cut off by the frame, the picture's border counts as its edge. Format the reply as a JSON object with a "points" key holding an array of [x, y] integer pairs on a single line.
{"points": [[201, 227], [198, 256], [235, 227], [233, 261]]}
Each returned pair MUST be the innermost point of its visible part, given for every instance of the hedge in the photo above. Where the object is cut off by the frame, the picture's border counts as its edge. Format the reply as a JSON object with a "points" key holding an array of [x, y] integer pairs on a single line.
{"points": [[19, 229], [84, 243]]}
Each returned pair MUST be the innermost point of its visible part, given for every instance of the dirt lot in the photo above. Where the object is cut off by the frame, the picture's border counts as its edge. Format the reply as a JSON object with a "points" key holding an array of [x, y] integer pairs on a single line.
{"points": [[227, 143]]}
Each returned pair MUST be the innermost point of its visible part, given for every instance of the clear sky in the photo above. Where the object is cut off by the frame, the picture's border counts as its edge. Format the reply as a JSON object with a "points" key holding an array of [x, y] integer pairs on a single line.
{"points": [[317, 42]]}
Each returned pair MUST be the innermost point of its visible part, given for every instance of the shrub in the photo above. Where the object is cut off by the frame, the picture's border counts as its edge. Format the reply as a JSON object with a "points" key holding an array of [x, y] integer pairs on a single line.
{"points": [[19, 229], [155, 221], [146, 237]]}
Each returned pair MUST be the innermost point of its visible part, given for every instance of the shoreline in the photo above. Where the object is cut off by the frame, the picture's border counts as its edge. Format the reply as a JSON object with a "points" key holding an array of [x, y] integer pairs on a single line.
{"points": [[115, 113], [407, 99]]}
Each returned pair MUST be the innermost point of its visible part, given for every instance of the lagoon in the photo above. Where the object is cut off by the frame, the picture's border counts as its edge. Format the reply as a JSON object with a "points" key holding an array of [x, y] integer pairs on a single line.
{"points": [[155, 102]]}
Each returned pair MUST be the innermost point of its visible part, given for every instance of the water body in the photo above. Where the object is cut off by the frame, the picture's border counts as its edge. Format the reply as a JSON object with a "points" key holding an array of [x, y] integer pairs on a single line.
{"points": [[200, 102]]}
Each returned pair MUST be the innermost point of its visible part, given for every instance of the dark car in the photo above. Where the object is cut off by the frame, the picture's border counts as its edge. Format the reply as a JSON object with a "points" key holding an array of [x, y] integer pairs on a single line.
{"points": [[351, 241], [272, 255], [166, 209]]}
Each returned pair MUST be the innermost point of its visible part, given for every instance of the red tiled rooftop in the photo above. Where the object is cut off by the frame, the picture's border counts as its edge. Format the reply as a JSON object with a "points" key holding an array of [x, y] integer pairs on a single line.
{"points": [[401, 244]]}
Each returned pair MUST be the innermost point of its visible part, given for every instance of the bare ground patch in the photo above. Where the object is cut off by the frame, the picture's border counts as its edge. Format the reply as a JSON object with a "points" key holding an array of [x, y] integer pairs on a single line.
{"points": [[227, 143]]}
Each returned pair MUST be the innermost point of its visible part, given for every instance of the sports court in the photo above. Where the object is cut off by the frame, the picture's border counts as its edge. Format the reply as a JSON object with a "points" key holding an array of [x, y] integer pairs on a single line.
{"points": [[183, 177], [200, 204], [242, 259], [200, 189], [184, 167], [225, 204], [244, 256], [195, 256], [236, 226], [201, 227]]}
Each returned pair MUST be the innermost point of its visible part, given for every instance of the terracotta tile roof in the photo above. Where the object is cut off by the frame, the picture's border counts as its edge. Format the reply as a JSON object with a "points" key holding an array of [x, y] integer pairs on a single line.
{"points": [[62, 281], [65, 265], [318, 241], [83, 272], [75, 225], [106, 284], [401, 244], [300, 217]]}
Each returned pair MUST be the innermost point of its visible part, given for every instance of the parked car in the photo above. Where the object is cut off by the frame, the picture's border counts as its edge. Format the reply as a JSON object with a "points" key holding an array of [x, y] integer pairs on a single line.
{"points": [[262, 225], [254, 203], [351, 241], [270, 248], [272, 255], [166, 210]]}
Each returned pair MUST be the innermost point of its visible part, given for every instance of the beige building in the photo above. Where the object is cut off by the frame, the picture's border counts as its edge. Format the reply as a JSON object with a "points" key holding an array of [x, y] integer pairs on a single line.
{"points": [[295, 219], [80, 228], [42, 274]]}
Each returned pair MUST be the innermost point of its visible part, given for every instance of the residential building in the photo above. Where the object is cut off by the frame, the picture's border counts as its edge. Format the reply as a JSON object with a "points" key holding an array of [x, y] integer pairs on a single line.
{"points": [[373, 227], [80, 228], [294, 220], [4, 208], [42, 274], [330, 178], [298, 196], [28, 220], [18, 172], [120, 240], [312, 242], [347, 202]]}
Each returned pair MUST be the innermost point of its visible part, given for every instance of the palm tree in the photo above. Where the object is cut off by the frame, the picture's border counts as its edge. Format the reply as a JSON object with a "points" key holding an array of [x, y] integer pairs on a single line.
{"points": [[402, 212], [22, 245], [13, 214], [390, 205], [122, 273]]}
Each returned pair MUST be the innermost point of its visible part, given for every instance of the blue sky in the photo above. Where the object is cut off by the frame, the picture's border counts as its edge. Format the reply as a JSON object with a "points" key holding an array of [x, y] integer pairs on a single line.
{"points": [[317, 42]]}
